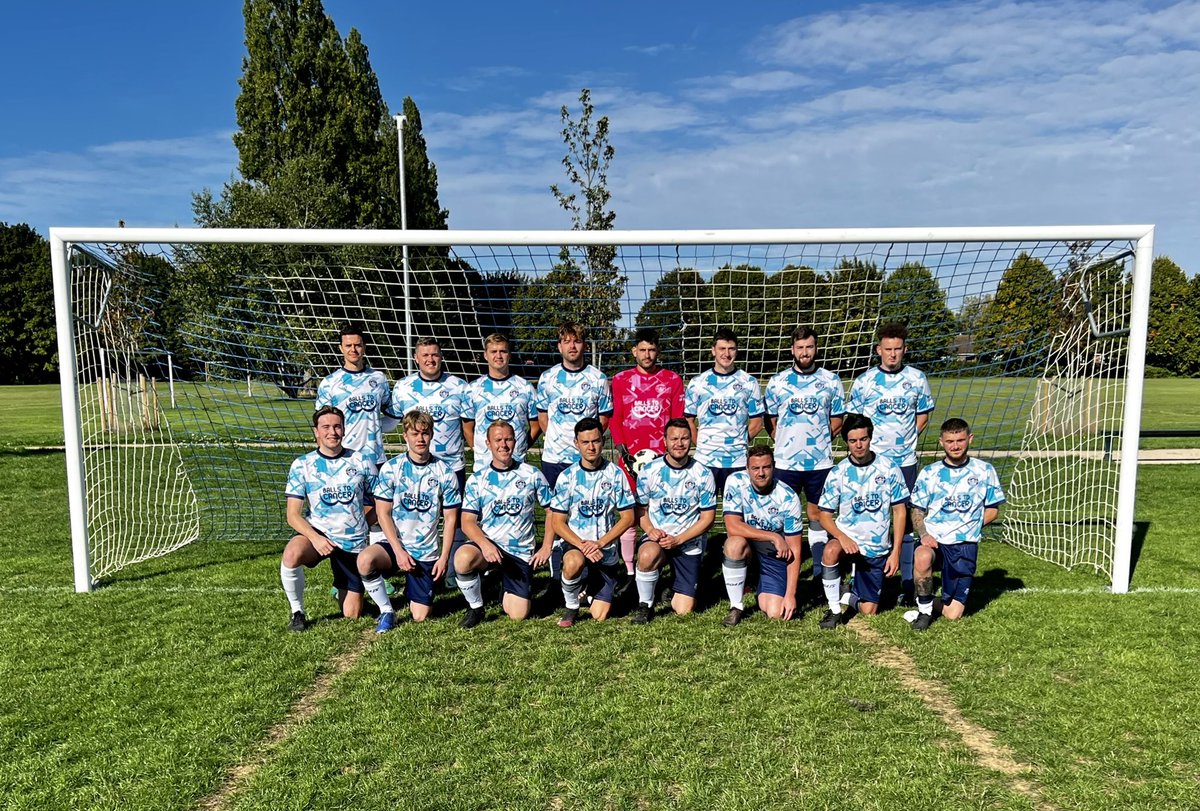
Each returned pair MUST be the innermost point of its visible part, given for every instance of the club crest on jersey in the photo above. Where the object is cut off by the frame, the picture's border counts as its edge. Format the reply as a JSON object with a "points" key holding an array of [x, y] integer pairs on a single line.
{"points": [[417, 502], [804, 405], [972, 481], [338, 494], [508, 506], [872, 502], [362, 402], [500, 411], [645, 409], [723, 406]]}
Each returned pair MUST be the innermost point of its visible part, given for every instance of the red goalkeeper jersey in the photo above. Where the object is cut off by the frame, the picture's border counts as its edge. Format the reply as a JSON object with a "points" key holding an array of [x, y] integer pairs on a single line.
{"points": [[642, 405]]}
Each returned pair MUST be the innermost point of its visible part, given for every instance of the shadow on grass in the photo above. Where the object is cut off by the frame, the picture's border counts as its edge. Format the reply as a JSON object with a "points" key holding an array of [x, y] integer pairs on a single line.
{"points": [[988, 586], [1140, 530], [170, 567]]}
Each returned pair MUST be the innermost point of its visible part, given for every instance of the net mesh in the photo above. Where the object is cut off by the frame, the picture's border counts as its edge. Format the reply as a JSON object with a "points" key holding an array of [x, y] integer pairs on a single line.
{"points": [[197, 363]]}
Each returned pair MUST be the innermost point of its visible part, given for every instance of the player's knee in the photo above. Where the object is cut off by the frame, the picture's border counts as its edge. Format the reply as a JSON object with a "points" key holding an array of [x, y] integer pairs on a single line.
{"points": [[572, 564], [293, 553], [736, 547], [923, 559], [600, 611], [465, 559], [648, 555], [832, 553], [682, 605], [869, 609]]}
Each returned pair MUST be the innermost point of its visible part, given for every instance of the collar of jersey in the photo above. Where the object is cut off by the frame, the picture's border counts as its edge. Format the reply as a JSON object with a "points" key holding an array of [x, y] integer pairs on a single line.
{"points": [[582, 368], [515, 465], [500, 379], [441, 376], [691, 461], [800, 371], [363, 370], [412, 461], [327, 456], [886, 372], [724, 374], [966, 462], [868, 463]]}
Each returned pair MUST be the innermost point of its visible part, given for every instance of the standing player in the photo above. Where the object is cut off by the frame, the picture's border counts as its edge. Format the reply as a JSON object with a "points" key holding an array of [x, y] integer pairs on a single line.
{"points": [[498, 510], [362, 395], [677, 501], [898, 400], [724, 407], [590, 509], [440, 395], [333, 483], [566, 393], [955, 498], [866, 492], [762, 513], [499, 395], [644, 398], [412, 493], [805, 407]]}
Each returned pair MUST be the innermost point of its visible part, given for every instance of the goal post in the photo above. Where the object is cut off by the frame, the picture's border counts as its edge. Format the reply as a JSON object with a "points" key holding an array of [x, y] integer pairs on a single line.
{"points": [[1035, 335]]}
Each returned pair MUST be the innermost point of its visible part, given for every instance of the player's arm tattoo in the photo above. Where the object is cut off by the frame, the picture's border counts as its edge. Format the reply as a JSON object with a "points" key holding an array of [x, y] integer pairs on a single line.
{"points": [[918, 521]]}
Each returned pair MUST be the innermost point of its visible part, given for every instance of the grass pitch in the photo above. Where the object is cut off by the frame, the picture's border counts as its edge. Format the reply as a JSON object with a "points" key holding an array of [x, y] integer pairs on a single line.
{"points": [[176, 686]]}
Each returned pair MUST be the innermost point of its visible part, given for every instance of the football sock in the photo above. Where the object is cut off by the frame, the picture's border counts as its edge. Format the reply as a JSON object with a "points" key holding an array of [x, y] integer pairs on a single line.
{"points": [[293, 586], [628, 547], [925, 603], [850, 600], [570, 590], [471, 586], [735, 580], [376, 588], [646, 581], [832, 582]]}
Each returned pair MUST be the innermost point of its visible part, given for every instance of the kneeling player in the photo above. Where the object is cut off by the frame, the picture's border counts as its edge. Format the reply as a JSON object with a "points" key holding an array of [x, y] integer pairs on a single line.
{"points": [[498, 510], [334, 483], [412, 492], [866, 492], [677, 501], [953, 500], [591, 507], [763, 514]]}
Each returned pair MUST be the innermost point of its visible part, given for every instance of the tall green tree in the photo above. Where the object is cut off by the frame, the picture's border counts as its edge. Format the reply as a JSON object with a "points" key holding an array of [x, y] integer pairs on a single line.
{"points": [[1017, 325], [1174, 330], [912, 296], [28, 342], [851, 318], [680, 308]]}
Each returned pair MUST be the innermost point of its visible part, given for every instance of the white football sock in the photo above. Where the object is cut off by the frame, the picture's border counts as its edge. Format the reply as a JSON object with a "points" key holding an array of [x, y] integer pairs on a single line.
{"points": [[293, 586], [646, 581], [471, 586]]}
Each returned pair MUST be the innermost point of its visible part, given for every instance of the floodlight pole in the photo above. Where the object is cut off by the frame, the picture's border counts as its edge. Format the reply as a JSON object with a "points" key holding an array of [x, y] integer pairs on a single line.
{"points": [[408, 339]]}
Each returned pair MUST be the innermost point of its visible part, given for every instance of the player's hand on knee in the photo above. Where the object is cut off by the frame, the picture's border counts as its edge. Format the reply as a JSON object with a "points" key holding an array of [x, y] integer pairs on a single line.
{"points": [[405, 561], [541, 556], [782, 550], [848, 545], [439, 569], [892, 566], [490, 552], [322, 544], [929, 541]]}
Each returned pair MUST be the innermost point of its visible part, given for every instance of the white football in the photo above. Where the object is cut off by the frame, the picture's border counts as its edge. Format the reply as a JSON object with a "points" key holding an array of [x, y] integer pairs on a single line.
{"points": [[643, 458]]}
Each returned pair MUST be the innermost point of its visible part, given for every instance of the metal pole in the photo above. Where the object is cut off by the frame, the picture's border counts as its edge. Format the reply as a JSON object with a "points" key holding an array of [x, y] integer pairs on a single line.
{"points": [[72, 427], [408, 339], [171, 379]]}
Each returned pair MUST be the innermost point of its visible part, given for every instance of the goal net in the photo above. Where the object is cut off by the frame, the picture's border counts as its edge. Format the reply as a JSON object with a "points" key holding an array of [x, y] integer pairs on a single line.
{"points": [[191, 356]]}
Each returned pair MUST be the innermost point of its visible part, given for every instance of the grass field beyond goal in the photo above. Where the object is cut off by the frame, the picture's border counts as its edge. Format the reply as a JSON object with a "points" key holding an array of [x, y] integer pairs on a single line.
{"points": [[176, 686]]}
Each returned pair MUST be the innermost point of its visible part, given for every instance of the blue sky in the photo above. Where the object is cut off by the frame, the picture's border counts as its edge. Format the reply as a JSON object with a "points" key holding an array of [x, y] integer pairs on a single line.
{"points": [[724, 115]]}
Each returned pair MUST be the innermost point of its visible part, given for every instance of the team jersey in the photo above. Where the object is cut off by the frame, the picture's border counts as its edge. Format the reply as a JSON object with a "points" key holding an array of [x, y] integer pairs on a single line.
{"points": [[504, 502], [335, 488], [441, 399], [777, 511], [418, 493], [862, 497], [723, 405], [593, 500], [567, 397], [802, 405], [954, 498], [489, 400], [675, 497], [893, 400], [363, 399], [642, 405]]}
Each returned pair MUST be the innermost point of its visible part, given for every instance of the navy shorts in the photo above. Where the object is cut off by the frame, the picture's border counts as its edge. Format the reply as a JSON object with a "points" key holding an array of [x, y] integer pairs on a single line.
{"points": [[868, 577], [808, 483], [345, 570], [516, 575], [600, 578], [958, 570], [772, 570], [720, 475], [686, 567], [418, 584], [552, 470]]}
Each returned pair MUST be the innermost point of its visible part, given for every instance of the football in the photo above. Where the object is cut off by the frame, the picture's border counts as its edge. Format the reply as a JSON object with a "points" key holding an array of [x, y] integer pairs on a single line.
{"points": [[643, 458]]}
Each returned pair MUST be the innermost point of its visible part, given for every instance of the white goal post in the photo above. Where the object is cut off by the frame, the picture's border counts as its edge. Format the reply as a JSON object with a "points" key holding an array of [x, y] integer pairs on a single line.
{"points": [[186, 355]]}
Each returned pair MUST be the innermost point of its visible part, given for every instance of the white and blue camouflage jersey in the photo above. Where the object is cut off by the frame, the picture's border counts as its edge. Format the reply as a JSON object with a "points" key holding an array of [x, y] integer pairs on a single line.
{"points": [[567, 397], [441, 399], [862, 497], [335, 489], [418, 493], [893, 400], [489, 400], [675, 497], [777, 511], [504, 502], [954, 498], [723, 405], [363, 399], [802, 405], [593, 500]]}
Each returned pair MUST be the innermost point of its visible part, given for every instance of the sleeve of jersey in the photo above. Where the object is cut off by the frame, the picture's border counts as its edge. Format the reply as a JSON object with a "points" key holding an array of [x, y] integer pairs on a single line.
{"points": [[757, 406], [677, 399], [533, 409], [837, 404], [708, 491], [560, 499], [691, 400], [605, 406], [323, 398], [995, 493], [771, 400], [543, 490], [856, 398], [899, 490], [295, 480], [732, 505], [624, 494], [541, 396], [829, 502], [920, 493], [925, 400], [643, 488], [384, 488], [470, 501], [451, 497], [793, 519]]}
